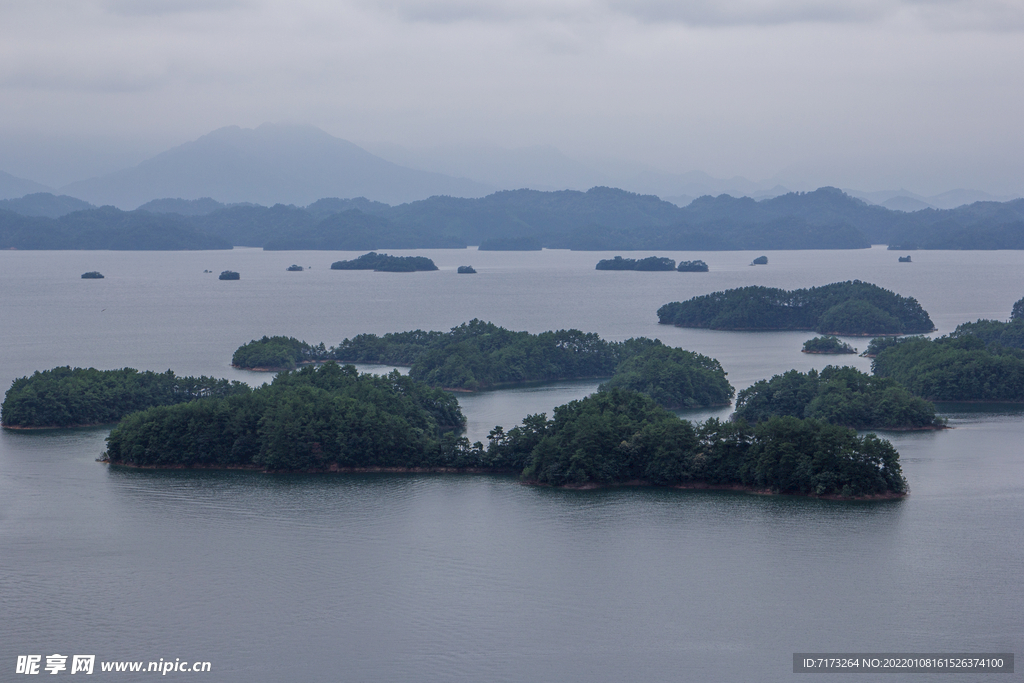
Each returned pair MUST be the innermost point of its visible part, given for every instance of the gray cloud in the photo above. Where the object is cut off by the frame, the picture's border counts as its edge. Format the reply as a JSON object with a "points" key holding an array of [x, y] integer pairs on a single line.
{"points": [[165, 7]]}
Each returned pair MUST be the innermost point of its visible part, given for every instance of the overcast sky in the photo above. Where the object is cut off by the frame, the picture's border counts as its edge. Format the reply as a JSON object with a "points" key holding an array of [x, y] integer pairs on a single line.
{"points": [[873, 94]]}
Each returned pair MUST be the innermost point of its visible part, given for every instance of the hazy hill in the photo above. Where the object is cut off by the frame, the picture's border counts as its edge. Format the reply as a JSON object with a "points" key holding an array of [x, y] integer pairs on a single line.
{"points": [[104, 228], [12, 187], [601, 218], [270, 164], [183, 207], [45, 204]]}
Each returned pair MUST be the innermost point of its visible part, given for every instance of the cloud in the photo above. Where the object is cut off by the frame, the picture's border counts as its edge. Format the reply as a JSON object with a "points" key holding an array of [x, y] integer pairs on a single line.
{"points": [[131, 8], [998, 15], [749, 12]]}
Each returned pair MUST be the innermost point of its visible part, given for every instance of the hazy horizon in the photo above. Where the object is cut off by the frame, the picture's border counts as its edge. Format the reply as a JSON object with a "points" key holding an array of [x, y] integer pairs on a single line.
{"points": [[884, 95]]}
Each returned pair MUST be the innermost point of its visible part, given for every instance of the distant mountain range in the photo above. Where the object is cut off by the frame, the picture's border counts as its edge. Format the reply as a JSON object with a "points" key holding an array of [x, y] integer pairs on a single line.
{"points": [[12, 187], [600, 219], [270, 164], [293, 164]]}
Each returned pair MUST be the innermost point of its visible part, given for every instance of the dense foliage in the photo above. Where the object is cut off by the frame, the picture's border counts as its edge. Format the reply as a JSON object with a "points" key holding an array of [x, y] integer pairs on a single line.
{"points": [[674, 378], [311, 419], [649, 263], [851, 307], [1018, 310], [620, 436], [66, 397], [994, 332], [954, 368], [827, 344], [276, 353], [229, 275], [760, 261], [697, 266], [843, 396], [386, 263], [466, 270], [480, 355], [333, 418]]}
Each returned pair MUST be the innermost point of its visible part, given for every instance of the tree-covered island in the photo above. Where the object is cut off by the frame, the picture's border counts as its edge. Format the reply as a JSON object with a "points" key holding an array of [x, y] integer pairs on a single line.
{"points": [[651, 263], [479, 355], [838, 395], [829, 344], [954, 368], [697, 266], [619, 436], [315, 419], [75, 397], [271, 354], [386, 263], [849, 308], [674, 378], [332, 418]]}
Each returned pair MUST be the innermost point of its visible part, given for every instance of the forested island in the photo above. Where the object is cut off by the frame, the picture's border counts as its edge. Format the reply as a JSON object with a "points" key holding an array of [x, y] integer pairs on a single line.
{"points": [[674, 378], [479, 355], [314, 419], [697, 266], [332, 418], [954, 368], [619, 436], [277, 353], [76, 397], [229, 275], [847, 308], [466, 270], [599, 219], [385, 263], [92, 275], [829, 344], [838, 395], [760, 261], [651, 263]]}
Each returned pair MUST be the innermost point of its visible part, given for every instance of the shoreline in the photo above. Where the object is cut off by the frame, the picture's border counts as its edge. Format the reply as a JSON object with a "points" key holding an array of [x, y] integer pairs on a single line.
{"points": [[31, 428], [830, 353], [798, 329], [591, 486]]}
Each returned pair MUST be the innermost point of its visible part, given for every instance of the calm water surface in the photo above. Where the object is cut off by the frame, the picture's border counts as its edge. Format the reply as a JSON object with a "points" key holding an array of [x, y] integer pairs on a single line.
{"points": [[477, 578]]}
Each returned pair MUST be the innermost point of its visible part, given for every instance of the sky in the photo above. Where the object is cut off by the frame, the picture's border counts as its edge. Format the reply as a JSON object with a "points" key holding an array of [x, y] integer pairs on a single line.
{"points": [[875, 94]]}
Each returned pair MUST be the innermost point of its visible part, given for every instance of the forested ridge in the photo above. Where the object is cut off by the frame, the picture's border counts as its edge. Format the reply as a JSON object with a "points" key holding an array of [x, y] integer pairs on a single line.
{"points": [[480, 355], [852, 307], [601, 218], [66, 397]]}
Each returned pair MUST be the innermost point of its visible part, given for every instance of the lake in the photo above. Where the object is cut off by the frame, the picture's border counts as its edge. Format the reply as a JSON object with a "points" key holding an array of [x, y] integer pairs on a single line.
{"points": [[473, 577]]}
